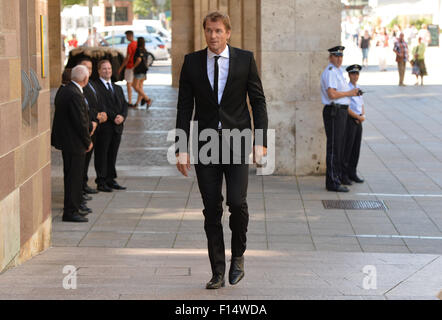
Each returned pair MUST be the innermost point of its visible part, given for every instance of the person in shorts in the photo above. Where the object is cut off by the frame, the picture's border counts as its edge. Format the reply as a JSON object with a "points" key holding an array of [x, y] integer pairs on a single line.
{"points": [[140, 69], [128, 62]]}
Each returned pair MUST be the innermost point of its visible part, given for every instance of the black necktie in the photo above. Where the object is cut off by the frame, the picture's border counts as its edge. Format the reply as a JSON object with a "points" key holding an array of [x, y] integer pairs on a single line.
{"points": [[215, 81], [110, 87]]}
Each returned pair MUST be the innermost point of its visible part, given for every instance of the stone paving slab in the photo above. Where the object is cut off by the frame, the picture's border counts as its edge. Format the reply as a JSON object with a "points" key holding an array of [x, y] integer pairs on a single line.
{"points": [[182, 273]]}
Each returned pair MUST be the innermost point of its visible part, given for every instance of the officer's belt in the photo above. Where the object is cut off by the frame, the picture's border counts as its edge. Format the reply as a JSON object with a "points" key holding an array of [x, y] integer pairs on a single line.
{"points": [[340, 106]]}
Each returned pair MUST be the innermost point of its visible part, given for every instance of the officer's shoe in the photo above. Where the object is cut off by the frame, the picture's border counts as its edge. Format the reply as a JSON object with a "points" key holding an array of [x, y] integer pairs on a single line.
{"points": [[357, 179], [339, 188], [346, 181], [236, 272], [216, 282], [89, 190], [75, 217]]}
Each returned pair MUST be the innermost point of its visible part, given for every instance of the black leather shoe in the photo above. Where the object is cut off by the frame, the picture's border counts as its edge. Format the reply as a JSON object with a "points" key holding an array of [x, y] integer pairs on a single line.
{"points": [[103, 188], [89, 190], [236, 272], [116, 186], [357, 179], [86, 197], [339, 189], [74, 218], [346, 181], [216, 282], [84, 209]]}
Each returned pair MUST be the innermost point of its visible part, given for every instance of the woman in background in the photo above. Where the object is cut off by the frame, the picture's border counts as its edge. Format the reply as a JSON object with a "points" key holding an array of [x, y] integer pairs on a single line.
{"points": [[419, 68], [140, 69]]}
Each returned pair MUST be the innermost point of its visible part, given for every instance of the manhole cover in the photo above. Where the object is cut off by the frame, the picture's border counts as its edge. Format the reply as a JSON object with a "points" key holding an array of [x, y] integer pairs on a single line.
{"points": [[354, 204]]}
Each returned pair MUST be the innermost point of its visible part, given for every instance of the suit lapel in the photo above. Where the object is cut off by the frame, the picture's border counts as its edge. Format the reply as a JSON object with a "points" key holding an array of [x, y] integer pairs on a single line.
{"points": [[232, 61]]}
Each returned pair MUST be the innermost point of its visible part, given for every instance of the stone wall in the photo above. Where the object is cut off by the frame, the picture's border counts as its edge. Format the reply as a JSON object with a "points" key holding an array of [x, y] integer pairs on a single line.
{"points": [[25, 186], [295, 37], [290, 39]]}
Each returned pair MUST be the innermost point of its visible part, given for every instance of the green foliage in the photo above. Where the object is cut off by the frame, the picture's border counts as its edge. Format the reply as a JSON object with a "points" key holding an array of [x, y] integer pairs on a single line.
{"points": [[147, 8], [419, 22], [79, 2]]}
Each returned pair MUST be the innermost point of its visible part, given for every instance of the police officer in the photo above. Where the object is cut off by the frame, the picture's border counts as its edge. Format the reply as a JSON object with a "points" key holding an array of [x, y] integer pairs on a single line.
{"points": [[353, 130], [335, 95]]}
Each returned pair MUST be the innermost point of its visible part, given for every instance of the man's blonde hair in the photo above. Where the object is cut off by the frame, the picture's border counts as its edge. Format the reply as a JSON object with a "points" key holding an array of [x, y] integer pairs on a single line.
{"points": [[215, 16]]}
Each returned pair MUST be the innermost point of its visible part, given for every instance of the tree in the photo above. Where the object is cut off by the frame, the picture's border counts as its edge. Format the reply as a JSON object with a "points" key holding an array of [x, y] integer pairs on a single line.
{"points": [[145, 8], [79, 2]]}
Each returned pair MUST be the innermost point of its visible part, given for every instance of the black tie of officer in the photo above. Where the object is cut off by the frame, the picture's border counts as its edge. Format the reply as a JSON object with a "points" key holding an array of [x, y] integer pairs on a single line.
{"points": [[215, 82]]}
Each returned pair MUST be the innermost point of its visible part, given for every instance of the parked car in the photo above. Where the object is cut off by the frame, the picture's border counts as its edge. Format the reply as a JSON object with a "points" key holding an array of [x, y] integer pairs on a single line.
{"points": [[163, 33], [155, 46]]}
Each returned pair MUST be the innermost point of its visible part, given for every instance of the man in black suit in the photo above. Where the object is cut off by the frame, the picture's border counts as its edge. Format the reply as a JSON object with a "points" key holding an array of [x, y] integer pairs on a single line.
{"points": [[70, 134], [111, 96], [215, 82], [96, 117]]}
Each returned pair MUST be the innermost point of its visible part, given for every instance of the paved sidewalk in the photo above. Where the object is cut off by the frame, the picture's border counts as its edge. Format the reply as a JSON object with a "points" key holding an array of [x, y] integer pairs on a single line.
{"points": [[148, 242]]}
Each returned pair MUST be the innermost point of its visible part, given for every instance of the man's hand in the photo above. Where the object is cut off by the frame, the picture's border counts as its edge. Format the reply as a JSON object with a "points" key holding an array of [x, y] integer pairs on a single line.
{"points": [[183, 163], [354, 92], [94, 127], [258, 153], [90, 147], [361, 118], [119, 119], [102, 117]]}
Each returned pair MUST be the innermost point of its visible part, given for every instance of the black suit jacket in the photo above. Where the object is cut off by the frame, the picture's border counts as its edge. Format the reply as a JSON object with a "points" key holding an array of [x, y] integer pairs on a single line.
{"points": [[93, 105], [70, 128], [113, 104], [195, 91]]}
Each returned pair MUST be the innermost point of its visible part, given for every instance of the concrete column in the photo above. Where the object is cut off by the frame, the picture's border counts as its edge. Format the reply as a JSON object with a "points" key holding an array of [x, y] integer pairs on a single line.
{"points": [[182, 35], [295, 36], [56, 56]]}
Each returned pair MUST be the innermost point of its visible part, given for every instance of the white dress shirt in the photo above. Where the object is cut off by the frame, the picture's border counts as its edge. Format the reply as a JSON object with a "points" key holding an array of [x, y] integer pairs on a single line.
{"points": [[356, 102], [223, 64], [105, 82]]}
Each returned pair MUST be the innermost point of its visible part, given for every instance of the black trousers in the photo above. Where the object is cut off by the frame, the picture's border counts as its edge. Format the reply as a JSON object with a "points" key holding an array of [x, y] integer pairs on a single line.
{"points": [[210, 181], [334, 123], [73, 168], [353, 137], [88, 160], [106, 151]]}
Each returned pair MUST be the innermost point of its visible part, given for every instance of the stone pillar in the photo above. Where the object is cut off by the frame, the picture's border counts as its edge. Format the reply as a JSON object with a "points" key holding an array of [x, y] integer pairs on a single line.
{"points": [[182, 36], [295, 36], [56, 54], [25, 185]]}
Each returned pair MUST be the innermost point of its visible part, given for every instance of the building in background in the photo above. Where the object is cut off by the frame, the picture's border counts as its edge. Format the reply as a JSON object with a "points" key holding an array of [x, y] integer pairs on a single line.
{"points": [[123, 14]]}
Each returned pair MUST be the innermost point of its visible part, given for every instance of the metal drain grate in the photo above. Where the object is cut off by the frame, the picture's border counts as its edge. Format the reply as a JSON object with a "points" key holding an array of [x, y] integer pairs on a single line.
{"points": [[354, 204]]}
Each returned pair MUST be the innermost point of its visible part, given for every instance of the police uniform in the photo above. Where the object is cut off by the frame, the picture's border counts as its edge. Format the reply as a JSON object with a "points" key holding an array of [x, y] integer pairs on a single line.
{"points": [[353, 134], [335, 118]]}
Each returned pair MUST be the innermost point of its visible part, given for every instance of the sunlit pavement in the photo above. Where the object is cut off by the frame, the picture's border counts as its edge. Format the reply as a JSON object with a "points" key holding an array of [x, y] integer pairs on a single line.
{"points": [[148, 242]]}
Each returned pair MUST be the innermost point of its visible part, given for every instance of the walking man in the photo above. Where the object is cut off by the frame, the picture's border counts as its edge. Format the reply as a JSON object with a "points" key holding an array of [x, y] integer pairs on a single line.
{"points": [[215, 83], [401, 50], [128, 62], [335, 94]]}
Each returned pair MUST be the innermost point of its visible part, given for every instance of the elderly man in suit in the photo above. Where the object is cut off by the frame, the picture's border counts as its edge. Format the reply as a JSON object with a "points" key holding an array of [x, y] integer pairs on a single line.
{"points": [[215, 83], [111, 96], [70, 134]]}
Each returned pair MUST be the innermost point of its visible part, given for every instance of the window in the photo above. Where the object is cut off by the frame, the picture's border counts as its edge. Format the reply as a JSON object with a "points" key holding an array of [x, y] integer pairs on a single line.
{"points": [[121, 14]]}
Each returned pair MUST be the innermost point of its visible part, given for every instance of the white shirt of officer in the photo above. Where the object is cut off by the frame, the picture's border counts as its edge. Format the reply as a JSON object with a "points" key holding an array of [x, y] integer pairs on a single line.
{"points": [[356, 102], [333, 77]]}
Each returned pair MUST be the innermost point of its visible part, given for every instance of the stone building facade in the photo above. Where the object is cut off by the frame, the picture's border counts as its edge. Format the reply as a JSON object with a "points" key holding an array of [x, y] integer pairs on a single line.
{"points": [[25, 183], [290, 39]]}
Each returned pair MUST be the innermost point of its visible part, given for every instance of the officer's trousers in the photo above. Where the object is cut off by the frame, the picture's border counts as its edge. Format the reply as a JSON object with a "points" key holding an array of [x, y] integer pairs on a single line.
{"points": [[353, 137], [334, 123]]}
